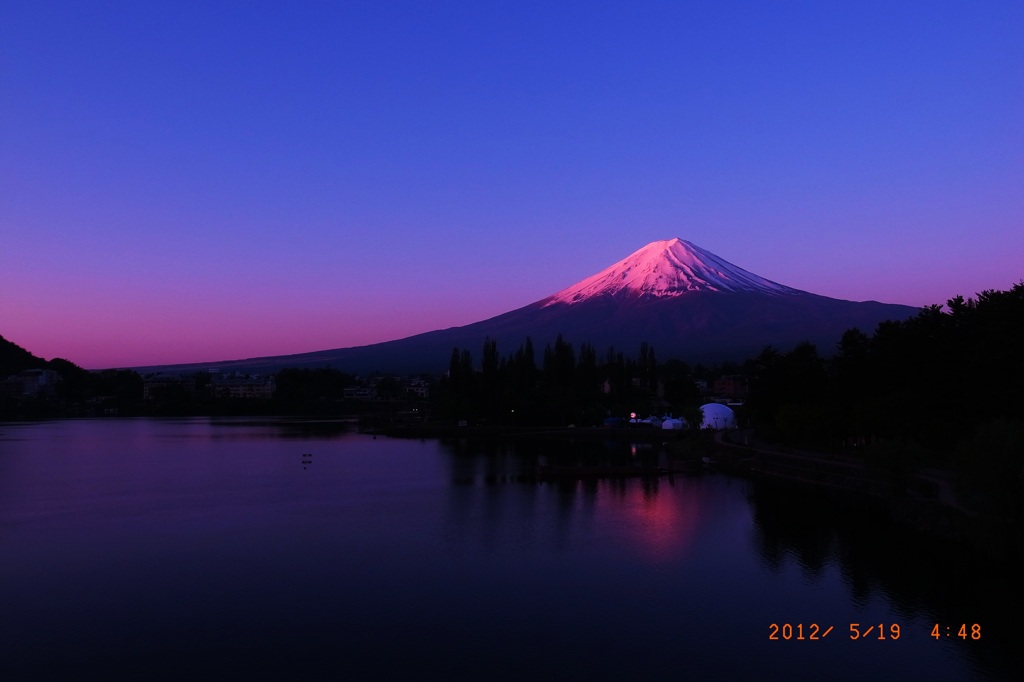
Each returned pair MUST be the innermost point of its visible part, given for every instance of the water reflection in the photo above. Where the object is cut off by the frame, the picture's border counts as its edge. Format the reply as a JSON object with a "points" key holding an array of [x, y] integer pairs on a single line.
{"points": [[922, 579], [663, 527], [861, 565], [207, 538], [653, 515]]}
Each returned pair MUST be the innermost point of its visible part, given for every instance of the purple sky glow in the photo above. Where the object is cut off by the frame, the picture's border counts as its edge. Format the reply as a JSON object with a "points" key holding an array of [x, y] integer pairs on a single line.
{"points": [[198, 181]]}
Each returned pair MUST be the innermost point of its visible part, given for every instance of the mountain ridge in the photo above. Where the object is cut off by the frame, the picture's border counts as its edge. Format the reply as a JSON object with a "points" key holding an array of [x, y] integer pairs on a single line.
{"points": [[683, 300]]}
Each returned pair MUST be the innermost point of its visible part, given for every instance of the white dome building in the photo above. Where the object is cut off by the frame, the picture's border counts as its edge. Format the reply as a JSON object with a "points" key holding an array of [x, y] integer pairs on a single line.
{"points": [[717, 416]]}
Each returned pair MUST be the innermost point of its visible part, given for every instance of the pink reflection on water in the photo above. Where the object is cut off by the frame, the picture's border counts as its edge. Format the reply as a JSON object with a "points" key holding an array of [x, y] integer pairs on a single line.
{"points": [[660, 521]]}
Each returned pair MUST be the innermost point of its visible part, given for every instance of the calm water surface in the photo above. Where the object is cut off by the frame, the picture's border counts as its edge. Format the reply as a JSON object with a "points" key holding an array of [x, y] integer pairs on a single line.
{"points": [[199, 549]]}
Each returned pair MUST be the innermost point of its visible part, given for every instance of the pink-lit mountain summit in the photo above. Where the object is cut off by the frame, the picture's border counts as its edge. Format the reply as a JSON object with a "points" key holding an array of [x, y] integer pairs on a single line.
{"points": [[685, 301], [668, 268]]}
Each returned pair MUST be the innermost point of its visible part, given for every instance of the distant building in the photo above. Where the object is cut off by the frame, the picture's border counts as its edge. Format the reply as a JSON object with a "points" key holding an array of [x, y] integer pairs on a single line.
{"points": [[250, 386], [31, 382], [359, 393], [732, 386], [418, 388], [156, 386]]}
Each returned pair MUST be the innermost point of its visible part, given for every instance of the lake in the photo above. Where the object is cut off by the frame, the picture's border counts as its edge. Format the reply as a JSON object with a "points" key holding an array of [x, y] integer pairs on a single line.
{"points": [[235, 549]]}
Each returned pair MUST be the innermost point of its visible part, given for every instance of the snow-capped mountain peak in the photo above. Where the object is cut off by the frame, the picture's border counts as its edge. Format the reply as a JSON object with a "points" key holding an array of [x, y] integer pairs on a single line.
{"points": [[669, 268]]}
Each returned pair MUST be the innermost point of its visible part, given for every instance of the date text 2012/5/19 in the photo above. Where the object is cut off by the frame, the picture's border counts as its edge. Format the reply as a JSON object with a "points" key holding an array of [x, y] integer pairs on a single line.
{"points": [[813, 631]]}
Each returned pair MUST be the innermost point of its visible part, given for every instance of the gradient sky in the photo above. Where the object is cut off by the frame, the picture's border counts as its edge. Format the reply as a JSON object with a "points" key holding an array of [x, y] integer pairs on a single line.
{"points": [[197, 181]]}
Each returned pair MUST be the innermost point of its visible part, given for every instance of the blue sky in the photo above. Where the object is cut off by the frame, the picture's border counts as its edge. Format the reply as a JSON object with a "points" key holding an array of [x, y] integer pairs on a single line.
{"points": [[193, 181]]}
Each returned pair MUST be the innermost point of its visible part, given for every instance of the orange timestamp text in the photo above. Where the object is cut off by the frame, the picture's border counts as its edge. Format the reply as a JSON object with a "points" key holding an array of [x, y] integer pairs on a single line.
{"points": [[964, 631], [813, 631]]}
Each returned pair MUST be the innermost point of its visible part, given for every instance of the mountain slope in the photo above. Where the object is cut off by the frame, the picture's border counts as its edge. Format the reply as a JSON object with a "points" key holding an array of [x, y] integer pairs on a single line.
{"points": [[685, 301], [667, 269], [14, 359]]}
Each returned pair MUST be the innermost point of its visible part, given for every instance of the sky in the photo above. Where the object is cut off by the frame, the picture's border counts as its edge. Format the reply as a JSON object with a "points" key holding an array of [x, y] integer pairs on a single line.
{"points": [[200, 181]]}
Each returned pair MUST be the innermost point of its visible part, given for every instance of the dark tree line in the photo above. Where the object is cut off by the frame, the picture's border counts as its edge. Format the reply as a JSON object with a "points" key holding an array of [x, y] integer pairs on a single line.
{"points": [[564, 385], [933, 379], [944, 387], [78, 391], [310, 391]]}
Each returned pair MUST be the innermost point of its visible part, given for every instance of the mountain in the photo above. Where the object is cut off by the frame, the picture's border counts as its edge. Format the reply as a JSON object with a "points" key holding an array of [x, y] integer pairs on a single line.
{"points": [[685, 301], [667, 269], [14, 359]]}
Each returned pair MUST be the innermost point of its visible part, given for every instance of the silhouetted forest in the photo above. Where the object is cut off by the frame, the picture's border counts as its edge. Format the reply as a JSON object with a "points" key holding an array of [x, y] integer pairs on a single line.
{"points": [[942, 388], [561, 385], [930, 382]]}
